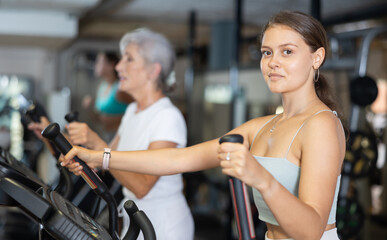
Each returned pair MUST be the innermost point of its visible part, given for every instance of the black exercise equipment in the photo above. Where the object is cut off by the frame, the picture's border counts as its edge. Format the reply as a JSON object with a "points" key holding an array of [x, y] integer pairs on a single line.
{"points": [[138, 221], [85, 198], [241, 200], [72, 116], [58, 217], [65, 185], [15, 169], [15, 224], [361, 155], [349, 217], [35, 112], [363, 90], [52, 132]]}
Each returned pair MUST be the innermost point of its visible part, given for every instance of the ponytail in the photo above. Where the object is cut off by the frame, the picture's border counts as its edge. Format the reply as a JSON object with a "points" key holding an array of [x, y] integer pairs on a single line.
{"points": [[325, 93]]}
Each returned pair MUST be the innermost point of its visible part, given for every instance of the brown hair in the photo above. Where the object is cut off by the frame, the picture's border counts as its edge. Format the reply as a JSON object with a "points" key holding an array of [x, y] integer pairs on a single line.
{"points": [[112, 58], [315, 37]]}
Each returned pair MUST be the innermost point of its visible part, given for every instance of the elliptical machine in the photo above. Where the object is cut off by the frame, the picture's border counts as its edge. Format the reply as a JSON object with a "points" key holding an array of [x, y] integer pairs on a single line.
{"points": [[59, 218]]}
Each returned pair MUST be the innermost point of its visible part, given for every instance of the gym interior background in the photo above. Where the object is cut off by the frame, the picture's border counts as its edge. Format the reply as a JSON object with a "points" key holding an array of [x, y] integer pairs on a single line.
{"points": [[47, 50]]}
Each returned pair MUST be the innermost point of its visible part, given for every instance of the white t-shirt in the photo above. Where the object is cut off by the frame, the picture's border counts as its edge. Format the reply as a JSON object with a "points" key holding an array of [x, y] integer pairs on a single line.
{"points": [[165, 203]]}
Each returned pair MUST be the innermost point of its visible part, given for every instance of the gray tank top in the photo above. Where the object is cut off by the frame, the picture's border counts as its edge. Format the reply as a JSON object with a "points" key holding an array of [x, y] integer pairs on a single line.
{"points": [[288, 175]]}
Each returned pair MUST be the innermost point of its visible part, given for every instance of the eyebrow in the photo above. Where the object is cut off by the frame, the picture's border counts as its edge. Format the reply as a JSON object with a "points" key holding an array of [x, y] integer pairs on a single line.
{"points": [[282, 45]]}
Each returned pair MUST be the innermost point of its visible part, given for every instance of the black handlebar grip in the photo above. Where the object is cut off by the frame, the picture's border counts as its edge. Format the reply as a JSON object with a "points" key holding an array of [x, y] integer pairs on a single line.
{"points": [[34, 112], [133, 231], [138, 220], [52, 132], [145, 225], [233, 138], [72, 116], [240, 198]]}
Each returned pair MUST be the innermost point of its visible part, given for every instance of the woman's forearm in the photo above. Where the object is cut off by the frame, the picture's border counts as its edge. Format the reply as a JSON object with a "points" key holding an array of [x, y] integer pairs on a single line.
{"points": [[167, 161], [158, 162]]}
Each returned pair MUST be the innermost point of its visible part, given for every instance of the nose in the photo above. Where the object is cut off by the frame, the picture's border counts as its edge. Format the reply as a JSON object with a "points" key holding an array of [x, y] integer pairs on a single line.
{"points": [[274, 61], [118, 65]]}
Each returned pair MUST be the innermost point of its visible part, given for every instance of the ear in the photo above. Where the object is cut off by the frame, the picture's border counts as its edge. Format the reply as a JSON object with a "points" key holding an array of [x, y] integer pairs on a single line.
{"points": [[155, 71], [318, 57]]}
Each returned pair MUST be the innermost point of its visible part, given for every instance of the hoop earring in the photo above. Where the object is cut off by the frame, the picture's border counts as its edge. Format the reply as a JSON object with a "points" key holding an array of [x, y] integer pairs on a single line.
{"points": [[318, 75]]}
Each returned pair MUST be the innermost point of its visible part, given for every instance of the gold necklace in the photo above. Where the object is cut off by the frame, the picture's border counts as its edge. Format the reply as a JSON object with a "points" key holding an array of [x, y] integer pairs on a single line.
{"points": [[273, 127], [271, 130]]}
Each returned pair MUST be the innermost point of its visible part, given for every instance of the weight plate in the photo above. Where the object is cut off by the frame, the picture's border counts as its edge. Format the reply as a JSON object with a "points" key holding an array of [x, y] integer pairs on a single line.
{"points": [[363, 91], [361, 155]]}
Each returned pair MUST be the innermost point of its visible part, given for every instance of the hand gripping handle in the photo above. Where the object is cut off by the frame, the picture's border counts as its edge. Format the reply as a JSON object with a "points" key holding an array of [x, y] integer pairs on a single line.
{"points": [[240, 198], [52, 132], [72, 116]]}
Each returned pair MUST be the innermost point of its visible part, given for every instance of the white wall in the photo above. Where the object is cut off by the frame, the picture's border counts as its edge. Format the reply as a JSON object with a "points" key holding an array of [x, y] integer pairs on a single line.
{"points": [[37, 63]]}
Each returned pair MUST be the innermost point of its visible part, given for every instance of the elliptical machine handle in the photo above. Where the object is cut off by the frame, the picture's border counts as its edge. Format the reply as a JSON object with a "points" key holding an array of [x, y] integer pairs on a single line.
{"points": [[65, 185], [138, 220], [133, 231], [52, 132], [145, 225], [240, 198], [72, 116], [35, 113]]}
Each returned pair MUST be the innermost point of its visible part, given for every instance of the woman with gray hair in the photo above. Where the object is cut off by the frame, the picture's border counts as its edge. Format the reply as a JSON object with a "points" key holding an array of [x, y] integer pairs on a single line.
{"points": [[150, 122]]}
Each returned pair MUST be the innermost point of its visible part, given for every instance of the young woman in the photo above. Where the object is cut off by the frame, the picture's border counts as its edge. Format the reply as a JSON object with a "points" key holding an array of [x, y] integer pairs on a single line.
{"points": [[292, 160]]}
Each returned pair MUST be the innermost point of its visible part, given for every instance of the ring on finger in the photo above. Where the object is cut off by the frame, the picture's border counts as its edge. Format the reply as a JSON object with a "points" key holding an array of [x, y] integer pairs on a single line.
{"points": [[228, 156]]}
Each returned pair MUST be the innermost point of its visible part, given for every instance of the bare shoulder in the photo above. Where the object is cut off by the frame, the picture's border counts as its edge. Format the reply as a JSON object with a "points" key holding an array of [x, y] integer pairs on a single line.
{"points": [[325, 121], [325, 128]]}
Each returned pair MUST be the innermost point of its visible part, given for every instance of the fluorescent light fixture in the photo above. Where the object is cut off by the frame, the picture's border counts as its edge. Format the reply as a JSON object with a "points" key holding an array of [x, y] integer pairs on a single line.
{"points": [[38, 23]]}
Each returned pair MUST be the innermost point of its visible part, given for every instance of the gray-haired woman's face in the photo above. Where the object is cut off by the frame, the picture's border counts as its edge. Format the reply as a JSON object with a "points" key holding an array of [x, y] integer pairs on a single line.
{"points": [[133, 70]]}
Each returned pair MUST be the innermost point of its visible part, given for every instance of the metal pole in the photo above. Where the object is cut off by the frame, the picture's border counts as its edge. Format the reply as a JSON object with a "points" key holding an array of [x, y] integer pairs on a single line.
{"points": [[189, 74], [235, 60], [316, 9]]}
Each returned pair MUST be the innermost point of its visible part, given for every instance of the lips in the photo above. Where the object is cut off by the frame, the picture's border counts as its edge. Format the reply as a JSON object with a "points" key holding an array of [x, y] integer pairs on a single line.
{"points": [[274, 76]]}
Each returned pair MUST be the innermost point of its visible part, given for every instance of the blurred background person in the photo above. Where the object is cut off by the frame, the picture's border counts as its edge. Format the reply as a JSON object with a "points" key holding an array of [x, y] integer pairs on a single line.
{"points": [[110, 103]]}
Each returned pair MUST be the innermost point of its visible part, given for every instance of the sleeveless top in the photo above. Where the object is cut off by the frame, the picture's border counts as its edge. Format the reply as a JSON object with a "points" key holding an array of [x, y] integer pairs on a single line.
{"points": [[288, 175], [107, 103]]}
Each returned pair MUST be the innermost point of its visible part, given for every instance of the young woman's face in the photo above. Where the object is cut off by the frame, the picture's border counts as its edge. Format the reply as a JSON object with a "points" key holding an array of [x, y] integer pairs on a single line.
{"points": [[103, 67], [287, 61], [132, 70]]}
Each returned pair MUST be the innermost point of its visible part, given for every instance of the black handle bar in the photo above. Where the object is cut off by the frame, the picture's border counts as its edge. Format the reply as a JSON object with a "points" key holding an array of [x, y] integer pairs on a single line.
{"points": [[138, 220], [52, 132], [240, 198], [65, 186], [72, 116]]}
